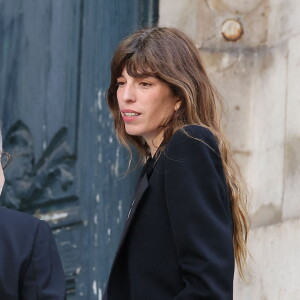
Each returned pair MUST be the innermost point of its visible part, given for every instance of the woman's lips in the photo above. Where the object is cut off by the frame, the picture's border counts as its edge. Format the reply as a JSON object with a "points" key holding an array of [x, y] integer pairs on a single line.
{"points": [[129, 115]]}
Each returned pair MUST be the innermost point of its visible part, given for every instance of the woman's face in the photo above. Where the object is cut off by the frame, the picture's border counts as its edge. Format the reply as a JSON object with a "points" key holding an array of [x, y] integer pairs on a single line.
{"points": [[145, 104]]}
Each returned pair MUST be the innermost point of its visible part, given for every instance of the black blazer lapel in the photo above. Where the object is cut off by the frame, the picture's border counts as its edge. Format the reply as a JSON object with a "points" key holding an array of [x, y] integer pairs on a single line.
{"points": [[140, 190], [141, 187]]}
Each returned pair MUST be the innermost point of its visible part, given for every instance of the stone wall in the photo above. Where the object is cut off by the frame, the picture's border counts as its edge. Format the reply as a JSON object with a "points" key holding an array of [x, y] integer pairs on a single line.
{"points": [[259, 77]]}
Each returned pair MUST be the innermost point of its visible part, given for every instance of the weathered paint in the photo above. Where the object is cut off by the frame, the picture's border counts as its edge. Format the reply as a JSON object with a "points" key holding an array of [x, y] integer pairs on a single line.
{"points": [[53, 216], [99, 294], [95, 287]]}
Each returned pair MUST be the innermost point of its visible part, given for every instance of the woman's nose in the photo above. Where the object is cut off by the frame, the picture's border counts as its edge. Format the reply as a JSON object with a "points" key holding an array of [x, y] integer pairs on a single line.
{"points": [[128, 93]]}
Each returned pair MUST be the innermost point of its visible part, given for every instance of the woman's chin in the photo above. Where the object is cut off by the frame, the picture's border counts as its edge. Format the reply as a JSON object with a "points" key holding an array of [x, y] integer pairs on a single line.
{"points": [[133, 131]]}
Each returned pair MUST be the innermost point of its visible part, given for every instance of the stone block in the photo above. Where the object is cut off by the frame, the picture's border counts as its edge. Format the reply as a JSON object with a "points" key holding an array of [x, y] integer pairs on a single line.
{"points": [[203, 21], [228, 71], [191, 16], [273, 269], [283, 20], [253, 84], [268, 97], [291, 177]]}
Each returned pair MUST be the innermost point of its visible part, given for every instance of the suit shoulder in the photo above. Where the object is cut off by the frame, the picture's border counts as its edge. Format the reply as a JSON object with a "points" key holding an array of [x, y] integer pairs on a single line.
{"points": [[17, 219]]}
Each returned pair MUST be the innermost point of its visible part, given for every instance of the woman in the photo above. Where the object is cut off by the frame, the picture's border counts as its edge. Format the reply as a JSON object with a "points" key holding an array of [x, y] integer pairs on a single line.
{"points": [[188, 220], [30, 267]]}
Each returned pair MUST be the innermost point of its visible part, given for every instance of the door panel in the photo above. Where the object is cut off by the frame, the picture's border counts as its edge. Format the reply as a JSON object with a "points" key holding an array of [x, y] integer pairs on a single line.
{"points": [[54, 71]]}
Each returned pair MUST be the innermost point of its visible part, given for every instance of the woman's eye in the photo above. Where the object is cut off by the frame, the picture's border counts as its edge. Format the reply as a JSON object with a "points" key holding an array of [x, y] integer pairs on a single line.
{"points": [[120, 83], [145, 84]]}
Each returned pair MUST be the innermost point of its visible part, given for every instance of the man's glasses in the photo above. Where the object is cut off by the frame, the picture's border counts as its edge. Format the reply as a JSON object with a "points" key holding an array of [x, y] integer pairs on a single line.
{"points": [[5, 158]]}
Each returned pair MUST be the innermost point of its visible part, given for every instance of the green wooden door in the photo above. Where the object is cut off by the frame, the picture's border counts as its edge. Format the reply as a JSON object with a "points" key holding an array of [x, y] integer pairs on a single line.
{"points": [[54, 70]]}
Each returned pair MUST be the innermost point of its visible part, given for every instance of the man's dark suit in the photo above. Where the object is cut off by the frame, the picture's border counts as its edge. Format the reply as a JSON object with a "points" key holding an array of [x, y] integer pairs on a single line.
{"points": [[177, 242], [30, 267]]}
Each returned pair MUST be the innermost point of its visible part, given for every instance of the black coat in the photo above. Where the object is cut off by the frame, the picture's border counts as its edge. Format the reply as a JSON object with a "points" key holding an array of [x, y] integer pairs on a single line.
{"points": [[177, 242], [30, 267]]}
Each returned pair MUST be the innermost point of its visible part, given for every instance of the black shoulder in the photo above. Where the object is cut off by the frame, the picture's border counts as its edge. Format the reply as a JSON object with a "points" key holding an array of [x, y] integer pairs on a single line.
{"points": [[193, 135], [17, 219]]}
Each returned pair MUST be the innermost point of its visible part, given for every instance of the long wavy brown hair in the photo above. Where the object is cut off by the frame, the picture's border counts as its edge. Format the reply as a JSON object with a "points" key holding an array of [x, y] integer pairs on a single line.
{"points": [[171, 56]]}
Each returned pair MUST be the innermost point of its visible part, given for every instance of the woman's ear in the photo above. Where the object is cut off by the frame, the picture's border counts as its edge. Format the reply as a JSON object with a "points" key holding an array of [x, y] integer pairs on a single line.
{"points": [[177, 105]]}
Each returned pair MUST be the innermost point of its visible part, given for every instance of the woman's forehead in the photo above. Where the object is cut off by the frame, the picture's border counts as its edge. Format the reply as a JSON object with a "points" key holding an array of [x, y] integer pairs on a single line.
{"points": [[138, 71]]}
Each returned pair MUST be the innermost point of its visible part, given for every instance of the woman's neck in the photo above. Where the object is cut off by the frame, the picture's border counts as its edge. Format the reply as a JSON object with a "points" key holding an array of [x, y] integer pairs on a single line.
{"points": [[155, 142]]}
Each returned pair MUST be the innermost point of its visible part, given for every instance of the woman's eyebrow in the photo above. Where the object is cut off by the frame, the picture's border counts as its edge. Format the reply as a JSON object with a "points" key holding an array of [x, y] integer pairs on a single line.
{"points": [[145, 75]]}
